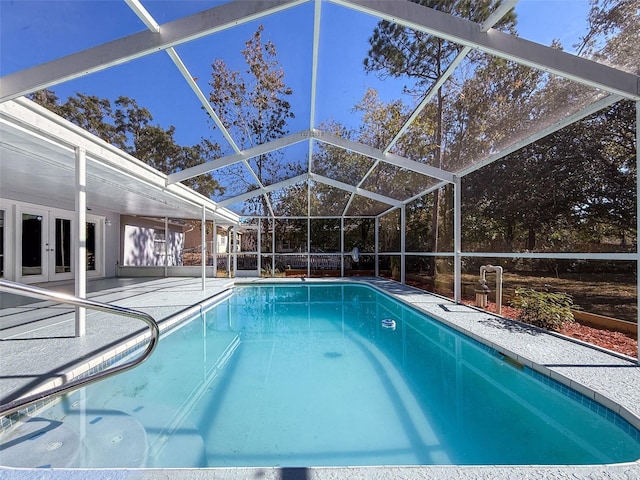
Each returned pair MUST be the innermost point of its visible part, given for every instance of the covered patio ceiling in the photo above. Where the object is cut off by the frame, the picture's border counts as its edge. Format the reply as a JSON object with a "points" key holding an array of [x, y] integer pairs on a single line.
{"points": [[37, 152], [37, 162]]}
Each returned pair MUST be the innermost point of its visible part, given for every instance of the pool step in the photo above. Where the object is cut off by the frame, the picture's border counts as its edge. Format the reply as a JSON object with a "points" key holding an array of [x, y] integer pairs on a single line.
{"points": [[173, 440], [111, 438], [40, 443], [115, 439]]}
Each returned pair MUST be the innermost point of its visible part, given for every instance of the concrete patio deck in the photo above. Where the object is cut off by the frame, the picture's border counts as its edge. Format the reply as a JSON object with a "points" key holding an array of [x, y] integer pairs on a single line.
{"points": [[38, 342], [42, 343]]}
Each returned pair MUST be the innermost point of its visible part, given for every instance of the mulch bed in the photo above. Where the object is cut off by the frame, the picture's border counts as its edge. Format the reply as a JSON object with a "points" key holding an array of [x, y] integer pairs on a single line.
{"points": [[616, 341]]}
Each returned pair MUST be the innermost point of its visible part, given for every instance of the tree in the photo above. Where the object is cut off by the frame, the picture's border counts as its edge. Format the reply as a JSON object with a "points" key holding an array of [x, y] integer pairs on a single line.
{"points": [[576, 185], [399, 51], [129, 127], [254, 107], [612, 33]]}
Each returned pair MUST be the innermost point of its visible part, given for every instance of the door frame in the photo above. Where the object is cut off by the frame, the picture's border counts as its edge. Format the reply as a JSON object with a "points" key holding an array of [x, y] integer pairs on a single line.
{"points": [[13, 242]]}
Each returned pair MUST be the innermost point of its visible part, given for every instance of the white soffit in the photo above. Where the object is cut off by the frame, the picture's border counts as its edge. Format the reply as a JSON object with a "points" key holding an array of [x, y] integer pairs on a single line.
{"points": [[38, 162]]}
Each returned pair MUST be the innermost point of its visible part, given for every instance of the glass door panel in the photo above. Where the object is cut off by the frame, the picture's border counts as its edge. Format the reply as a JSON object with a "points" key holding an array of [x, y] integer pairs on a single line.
{"points": [[63, 245], [91, 247], [34, 248], [47, 245], [60, 237]]}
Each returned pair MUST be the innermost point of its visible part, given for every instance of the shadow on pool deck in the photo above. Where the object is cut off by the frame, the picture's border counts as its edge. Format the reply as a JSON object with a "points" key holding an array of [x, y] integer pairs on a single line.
{"points": [[599, 371], [38, 339]]}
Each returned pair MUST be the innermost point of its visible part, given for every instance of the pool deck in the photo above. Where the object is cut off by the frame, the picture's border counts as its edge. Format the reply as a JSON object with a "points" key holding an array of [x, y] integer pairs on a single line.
{"points": [[38, 342]]}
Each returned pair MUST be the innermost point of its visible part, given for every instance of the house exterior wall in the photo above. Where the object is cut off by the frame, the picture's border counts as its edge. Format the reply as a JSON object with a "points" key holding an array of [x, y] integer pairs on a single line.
{"points": [[143, 243], [193, 240], [193, 237]]}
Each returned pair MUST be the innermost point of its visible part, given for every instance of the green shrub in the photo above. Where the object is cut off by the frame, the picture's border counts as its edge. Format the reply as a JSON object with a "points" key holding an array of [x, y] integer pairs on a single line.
{"points": [[543, 309]]}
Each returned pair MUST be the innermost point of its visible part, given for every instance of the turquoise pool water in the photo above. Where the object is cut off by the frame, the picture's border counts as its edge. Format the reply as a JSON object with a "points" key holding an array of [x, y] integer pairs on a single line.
{"points": [[312, 375]]}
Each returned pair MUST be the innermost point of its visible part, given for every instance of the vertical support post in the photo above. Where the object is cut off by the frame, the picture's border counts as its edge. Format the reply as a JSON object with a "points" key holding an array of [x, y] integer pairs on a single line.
{"points": [[81, 240], [203, 246], [214, 249], [308, 244], [403, 228], [166, 247], [457, 239], [342, 246], [638, 219], [259, 256], [375, 248], [229, 242], [235, 250], [273, 244]]}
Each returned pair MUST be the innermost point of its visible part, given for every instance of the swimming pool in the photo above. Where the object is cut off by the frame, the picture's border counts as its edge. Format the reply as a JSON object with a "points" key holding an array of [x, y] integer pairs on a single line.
{"points": [[310, 375]]}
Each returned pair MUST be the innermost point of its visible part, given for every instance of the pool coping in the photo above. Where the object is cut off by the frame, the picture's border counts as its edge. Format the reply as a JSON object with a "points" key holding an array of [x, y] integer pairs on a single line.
{"points": [[522, 343]]}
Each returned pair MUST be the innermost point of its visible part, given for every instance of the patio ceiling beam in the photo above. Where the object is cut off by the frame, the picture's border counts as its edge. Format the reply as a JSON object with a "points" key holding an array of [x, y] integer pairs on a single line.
{"points": [[494, 18], [503, 45], [264, 190], [138, 45], [353, 189], [378, 154], [238, 157], [38, 122]]}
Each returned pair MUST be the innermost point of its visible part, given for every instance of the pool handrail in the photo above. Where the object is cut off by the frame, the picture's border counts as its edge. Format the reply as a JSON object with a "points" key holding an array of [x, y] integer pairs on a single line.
{"points": [[44, 294]]}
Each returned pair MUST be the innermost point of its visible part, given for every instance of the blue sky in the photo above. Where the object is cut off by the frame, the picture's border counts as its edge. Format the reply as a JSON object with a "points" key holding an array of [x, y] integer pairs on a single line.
{"points": [[33, 32]]}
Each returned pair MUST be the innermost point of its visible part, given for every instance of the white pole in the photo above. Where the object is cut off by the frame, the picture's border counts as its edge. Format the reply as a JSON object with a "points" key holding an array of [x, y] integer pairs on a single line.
{"points": [[403, 228], [375, 248], [457, 239], [272, 223], [342, 246], [259, 241], [166, 247], [214, 248], [235, 251], [81, 240], [308, 244], [229, 242], [638, 222], [203, 246]]}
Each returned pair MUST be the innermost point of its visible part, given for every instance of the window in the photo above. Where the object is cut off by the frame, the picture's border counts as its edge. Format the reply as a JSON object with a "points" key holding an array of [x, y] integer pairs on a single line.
{"points": [[159, 242]]}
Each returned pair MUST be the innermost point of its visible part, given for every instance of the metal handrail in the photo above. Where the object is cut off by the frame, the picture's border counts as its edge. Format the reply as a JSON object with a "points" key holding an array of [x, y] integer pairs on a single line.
{"points": [[43, 294]]}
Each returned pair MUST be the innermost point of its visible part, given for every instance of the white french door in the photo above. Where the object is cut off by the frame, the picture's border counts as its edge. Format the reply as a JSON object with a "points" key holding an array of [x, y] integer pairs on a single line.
{"points": [[45, 245]]}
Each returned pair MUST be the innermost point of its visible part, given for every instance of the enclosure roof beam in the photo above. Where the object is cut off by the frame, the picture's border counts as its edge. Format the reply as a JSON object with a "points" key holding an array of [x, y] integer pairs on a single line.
{"points": [[503, 45], [314, 61], [579, 115], [238, 157], [143, 15], [138, 45], [321, 136], [576, 117], [261, 191], [353, 189], [177, 61], [153, 26], [494, 18], [378, 154]]}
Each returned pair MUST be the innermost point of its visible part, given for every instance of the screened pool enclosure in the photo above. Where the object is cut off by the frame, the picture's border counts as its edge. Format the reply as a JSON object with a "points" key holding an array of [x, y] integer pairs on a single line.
{"points": [[416, 140]]}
